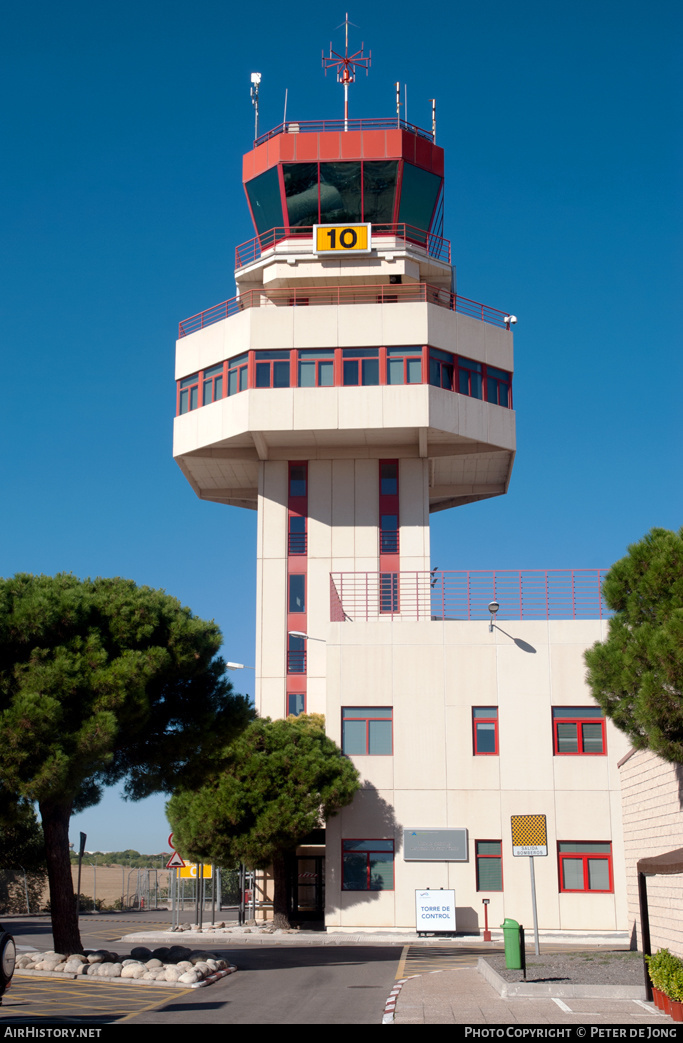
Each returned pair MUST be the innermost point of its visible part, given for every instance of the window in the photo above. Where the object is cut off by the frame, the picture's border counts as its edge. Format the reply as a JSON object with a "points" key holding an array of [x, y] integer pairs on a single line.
{"points": [[212, 385], [404, 365], [485, 730], [367, 730], [578, 730], [272, 369], [388, 534], [297, 534], [585, 866], [367, 865], [489, 858], [360, 366], [189, 394], [297, 480], [264, 197], [388, 478], [498, 387], [388, 592], [237, 374], [441, 369], [296, 703], [316, 369], [297, 592], [296, 654], [469, 377]]}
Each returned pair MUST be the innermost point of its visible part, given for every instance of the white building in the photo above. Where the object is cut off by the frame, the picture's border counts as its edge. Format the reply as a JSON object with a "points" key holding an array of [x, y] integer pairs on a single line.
{"points": [[345, 393]]}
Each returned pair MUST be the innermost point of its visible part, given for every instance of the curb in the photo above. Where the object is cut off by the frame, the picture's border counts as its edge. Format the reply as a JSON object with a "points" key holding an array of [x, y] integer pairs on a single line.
{"points": [[63, 976], [390, 1005], [509, 989]]}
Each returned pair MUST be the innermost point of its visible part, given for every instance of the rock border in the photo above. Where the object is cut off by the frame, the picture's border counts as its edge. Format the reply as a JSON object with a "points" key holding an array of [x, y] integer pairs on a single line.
{"points": [[175, 967]]}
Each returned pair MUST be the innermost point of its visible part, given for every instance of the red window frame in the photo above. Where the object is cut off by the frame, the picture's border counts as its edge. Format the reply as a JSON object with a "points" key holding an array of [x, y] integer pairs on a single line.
{"points": [[578, 720], [364, 713], [185, 387], [368, 852], [480, 857], [492, 719], [584, 857], [213, 383], [238, 365], [242, 369], [296, 695], [270, 359]]}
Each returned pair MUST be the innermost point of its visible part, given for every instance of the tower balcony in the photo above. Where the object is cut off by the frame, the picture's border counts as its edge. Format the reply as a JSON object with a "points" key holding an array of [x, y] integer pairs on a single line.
{"points": [[531, 594]]}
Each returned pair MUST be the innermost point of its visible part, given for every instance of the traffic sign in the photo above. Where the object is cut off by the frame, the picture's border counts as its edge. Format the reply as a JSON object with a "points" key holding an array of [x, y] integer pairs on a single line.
{"points": [[175, 861], [529, 835], [191, 870]]}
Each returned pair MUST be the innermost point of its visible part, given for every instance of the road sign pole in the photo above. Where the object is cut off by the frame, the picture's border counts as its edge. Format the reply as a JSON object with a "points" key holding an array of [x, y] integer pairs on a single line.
{"points": [[533, 902]]}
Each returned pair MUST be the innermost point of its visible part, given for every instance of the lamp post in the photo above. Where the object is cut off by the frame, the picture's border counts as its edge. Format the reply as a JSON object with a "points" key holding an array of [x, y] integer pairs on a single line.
{"points": [[493, 609]]}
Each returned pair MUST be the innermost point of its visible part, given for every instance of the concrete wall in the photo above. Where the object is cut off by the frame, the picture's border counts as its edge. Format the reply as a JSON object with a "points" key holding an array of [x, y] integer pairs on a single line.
{"points": [[652, 801]]}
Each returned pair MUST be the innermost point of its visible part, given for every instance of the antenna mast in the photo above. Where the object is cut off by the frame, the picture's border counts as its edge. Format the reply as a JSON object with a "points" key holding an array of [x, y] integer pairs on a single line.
{"points": [[345, 65]]}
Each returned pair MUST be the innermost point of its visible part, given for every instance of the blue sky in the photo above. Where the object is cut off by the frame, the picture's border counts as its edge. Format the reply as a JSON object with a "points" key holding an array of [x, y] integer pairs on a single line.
{"points": [[123, 139]]}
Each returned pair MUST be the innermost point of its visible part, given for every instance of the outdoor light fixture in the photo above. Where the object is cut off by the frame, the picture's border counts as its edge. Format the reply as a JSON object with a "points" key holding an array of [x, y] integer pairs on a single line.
{"points": [[493, 609], [239, 666]]}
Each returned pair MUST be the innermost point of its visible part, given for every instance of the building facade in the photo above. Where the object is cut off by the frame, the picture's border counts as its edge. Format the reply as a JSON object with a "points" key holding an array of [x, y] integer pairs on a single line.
{"points": [[346, 393]]}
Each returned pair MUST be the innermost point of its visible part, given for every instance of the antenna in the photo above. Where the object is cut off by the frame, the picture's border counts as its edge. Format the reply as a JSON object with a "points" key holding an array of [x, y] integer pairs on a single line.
{"points": [[255, 81], [345, 65], [433, 101]]}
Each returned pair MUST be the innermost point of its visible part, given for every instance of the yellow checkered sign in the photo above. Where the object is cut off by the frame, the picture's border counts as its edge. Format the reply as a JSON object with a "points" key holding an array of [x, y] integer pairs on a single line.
{"points": [[529, 835]]}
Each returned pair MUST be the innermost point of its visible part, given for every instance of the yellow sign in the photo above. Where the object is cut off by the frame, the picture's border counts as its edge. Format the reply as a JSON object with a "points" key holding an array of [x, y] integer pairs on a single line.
{"points": [[529, 835], [342, 238], [192, 870]]}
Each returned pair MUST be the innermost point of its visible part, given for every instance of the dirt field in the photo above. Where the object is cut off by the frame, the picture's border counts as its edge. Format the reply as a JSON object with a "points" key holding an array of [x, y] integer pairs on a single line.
{"points": [[109, 883]]}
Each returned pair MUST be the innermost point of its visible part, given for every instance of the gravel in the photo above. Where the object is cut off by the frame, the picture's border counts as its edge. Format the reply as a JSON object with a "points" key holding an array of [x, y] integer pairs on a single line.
{"points": [[606, 967]]}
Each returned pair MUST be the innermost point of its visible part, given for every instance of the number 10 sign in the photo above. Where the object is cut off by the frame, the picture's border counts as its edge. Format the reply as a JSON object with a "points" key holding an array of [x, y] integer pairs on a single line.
{"points": [[342, 239]]}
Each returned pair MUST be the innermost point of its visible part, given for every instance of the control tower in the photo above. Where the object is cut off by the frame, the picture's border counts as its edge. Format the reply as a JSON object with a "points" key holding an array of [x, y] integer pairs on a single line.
{"points": [[346, 391]]}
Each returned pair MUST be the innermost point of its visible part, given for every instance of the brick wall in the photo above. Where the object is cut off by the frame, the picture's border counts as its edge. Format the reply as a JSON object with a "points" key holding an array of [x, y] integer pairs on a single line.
{"points": [[652, 810]]}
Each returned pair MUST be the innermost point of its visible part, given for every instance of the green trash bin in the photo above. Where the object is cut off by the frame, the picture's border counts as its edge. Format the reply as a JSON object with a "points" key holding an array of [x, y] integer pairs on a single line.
{"points": [[513, 955]]}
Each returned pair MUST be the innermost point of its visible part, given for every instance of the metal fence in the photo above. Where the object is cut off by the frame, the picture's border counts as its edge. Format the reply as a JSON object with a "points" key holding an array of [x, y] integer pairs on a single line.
{"points": [[522, 594]]}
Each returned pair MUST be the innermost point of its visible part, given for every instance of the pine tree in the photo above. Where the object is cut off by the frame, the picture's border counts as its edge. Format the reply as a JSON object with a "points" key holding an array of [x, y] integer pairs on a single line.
{"points": [[637, 673], [102, 681], [281, 780]]}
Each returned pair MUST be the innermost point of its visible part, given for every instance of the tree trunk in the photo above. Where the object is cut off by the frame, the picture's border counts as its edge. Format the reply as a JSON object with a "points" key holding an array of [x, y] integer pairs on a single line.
{"points": [[280, 903], [65, 932]]}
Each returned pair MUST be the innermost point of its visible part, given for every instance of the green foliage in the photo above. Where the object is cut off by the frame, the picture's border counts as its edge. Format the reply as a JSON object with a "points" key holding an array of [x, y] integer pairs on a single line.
{"points": [[637, 673], [666, 973], [102, 681], [21, 838], [281, 780]]}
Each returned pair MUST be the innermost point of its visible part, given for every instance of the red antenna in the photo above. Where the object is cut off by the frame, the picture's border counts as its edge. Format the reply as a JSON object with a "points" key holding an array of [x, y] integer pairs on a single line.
{"points": [[346, 64]]}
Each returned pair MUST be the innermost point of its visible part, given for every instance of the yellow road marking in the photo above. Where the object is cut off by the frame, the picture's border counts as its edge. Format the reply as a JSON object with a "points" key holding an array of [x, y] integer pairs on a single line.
{"points": [[400, 971], [158, 1003]]}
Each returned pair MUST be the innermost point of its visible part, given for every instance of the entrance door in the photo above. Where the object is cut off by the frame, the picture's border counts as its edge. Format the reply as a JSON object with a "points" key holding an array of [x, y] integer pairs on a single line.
{"points": [[308, 888]]}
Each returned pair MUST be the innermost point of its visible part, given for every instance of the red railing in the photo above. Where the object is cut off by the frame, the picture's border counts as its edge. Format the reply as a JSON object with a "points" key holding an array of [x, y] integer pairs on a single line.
{"points": [[528, 594], [300, 296], [321, 126], [435, 245]]}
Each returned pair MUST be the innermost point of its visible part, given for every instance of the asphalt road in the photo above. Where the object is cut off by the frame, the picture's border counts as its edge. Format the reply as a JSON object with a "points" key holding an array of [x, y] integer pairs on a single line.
{"points": [[275, 985]]}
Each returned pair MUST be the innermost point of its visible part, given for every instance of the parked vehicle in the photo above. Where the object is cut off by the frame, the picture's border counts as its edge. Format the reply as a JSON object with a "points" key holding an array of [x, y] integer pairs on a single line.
{"points": [[8, 956]]}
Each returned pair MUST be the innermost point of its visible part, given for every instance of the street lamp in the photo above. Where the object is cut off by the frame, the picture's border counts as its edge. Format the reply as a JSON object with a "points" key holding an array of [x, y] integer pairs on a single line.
{"points": [[493, 609]]}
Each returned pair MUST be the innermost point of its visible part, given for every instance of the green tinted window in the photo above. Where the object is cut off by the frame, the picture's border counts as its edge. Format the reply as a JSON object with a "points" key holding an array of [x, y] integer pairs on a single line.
{"points": [[419, 193], [264, 196]]}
